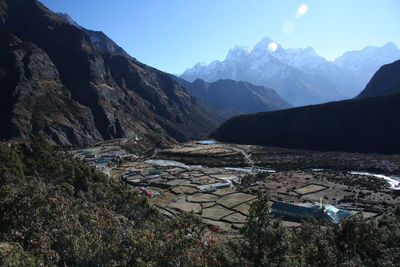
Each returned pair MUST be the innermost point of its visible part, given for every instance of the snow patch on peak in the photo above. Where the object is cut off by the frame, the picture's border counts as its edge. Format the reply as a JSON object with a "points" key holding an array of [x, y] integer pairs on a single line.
{"points": [[263, 44], [201, 64], [300, 75], [238, 53], [310, 51], [364, 63], [390, 45]]}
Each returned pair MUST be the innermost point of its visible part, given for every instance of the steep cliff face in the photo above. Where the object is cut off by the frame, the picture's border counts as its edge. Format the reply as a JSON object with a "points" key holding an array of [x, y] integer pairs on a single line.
{"points": [[34, 99], [385, 82], [81, 92]]}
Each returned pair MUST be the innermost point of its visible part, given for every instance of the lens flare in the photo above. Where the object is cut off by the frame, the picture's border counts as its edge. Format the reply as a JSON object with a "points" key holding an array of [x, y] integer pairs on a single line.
{"points": [[273, 47], [303, 9]]}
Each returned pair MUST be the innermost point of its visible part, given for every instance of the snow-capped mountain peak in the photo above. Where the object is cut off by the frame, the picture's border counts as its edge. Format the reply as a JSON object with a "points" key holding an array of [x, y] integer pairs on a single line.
{"points": [[238, 53], [390, 45], [300, 75], [364, 63], [263, 44]]}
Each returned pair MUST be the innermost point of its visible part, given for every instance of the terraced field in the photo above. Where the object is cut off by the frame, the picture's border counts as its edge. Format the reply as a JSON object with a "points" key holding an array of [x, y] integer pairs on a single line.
{"points": [[219, 181]]}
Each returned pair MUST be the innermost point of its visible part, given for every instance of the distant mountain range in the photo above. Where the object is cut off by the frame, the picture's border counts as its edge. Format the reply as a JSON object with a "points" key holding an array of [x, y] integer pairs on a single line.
{"points": [[300, 76], [364, 63], [225, 98], [78, 87], [366, 124]]}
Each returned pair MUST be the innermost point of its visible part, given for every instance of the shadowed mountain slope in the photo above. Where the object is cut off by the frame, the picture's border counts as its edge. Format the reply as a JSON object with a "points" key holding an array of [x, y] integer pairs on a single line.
{"points": [[77, 89], [368, 124], [362, 125], [385, 82]]}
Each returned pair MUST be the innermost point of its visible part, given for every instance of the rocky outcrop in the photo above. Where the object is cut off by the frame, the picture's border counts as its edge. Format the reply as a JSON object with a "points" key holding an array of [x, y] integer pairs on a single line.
{"points": [[34, 99], [54, 79]]}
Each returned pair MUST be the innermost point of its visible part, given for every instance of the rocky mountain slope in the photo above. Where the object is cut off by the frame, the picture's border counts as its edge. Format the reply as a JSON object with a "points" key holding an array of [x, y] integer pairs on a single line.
{"points": [[227, 98], [300, 76], [368, 124], [56, 79], [385, 82], [97, 38], [364, 63]]}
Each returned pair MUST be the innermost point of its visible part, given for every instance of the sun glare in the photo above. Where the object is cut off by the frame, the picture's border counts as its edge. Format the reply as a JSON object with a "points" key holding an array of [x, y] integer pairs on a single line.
{"points": [[273, 47], [301, 10]]}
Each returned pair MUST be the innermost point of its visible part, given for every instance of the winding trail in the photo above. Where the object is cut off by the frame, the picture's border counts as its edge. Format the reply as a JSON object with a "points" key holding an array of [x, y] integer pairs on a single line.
{"points": [[156, 151], [246, 156]]}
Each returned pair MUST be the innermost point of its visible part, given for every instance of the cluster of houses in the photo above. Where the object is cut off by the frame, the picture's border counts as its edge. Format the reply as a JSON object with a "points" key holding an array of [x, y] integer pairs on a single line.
{"points": [[141, 189], [93, 158], [101, 158]]}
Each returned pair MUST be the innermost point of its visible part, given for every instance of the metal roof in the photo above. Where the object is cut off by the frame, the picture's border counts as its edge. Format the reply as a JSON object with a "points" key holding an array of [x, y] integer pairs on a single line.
{"points": [[331, 213]]}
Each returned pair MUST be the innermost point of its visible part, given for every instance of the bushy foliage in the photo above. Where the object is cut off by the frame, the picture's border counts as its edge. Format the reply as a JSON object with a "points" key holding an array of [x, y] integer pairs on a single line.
{"points": [[56, 210]]}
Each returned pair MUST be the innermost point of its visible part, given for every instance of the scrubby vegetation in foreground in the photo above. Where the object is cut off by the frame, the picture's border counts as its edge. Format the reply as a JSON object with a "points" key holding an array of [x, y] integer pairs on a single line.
{"points": [[57, 211]]}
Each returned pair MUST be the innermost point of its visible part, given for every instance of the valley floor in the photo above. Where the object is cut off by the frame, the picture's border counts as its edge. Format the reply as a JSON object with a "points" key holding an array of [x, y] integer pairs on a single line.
{"points": [[220, 181]]}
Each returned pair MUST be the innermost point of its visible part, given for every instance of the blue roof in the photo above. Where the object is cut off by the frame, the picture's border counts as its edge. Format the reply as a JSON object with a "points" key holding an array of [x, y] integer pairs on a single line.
{"points": [[301, 210], [331, 213], [207, 142]]}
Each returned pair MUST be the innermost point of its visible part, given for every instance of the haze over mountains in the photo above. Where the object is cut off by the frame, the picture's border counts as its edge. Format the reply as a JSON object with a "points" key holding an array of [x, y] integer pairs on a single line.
{"points": [[78, 87], [366, 124], [364, 63], [300, 76], [225, 98]]}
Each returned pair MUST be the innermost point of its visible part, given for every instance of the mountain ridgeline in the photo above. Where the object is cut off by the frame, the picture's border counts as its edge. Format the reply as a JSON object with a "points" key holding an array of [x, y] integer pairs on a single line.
{"points": [[300, 76], [364, 63], [385, 82], [369, 124], [78, 87], [226, 98], [97, 38]]}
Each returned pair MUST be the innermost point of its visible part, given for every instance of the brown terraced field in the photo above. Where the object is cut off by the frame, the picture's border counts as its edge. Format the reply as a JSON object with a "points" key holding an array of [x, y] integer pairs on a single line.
{"points": [[179, 180]]}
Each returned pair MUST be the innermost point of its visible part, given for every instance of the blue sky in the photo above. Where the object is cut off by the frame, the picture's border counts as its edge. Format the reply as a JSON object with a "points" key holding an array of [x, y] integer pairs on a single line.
{"points": [[173, 35]]}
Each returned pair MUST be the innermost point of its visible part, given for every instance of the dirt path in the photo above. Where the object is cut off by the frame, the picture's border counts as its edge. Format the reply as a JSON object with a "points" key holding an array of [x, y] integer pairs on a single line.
{"points": [[246, 156]]}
